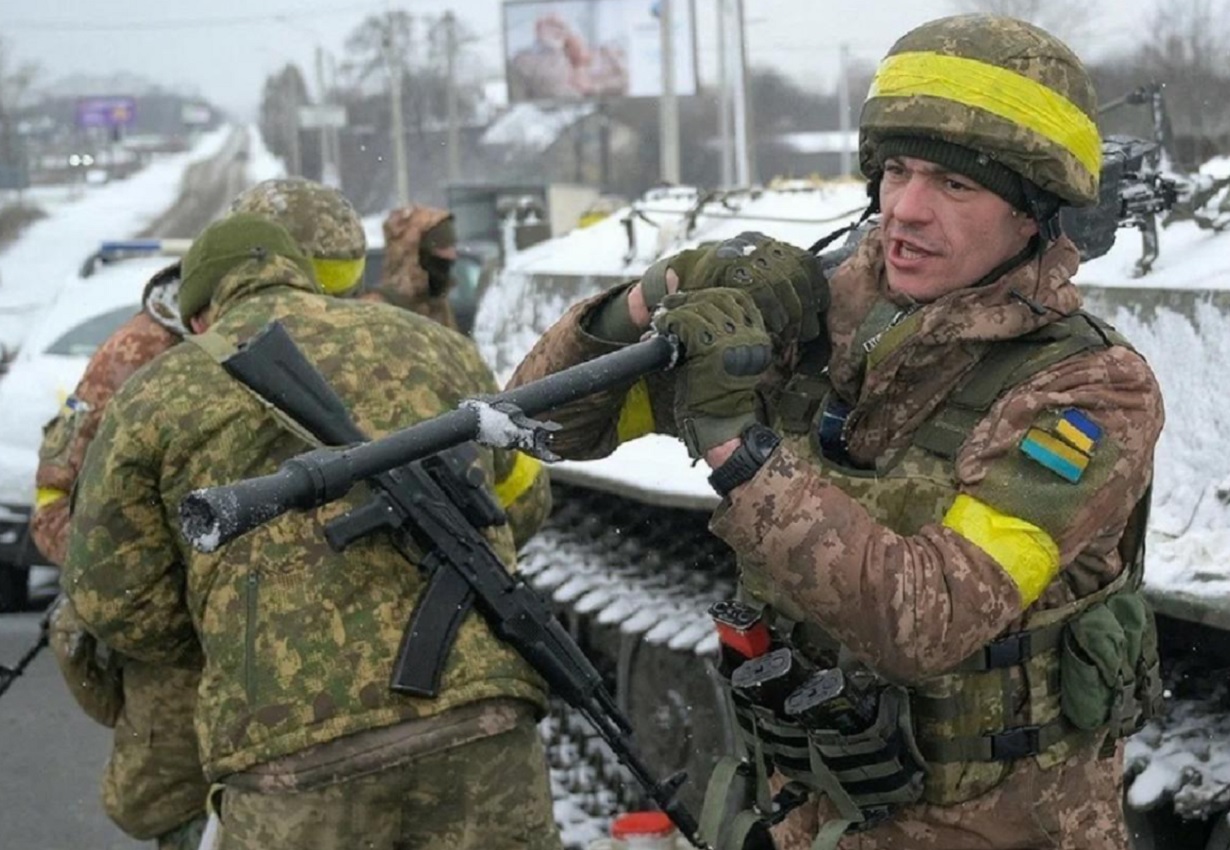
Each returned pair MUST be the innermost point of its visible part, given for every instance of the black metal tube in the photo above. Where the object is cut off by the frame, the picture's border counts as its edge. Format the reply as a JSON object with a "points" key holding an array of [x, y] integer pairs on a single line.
{"points": [[215, 515]]}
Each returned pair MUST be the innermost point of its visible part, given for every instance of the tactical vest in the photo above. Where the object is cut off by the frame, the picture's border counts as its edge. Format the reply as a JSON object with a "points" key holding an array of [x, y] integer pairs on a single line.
{"points": [[1003, 704]]}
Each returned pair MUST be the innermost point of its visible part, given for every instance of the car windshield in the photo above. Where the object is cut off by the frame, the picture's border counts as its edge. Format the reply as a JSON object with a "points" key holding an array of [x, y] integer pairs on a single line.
{"points": [[83, 339]]}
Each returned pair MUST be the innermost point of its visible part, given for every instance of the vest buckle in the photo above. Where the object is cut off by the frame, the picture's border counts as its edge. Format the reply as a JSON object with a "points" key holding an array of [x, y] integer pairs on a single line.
{"points": [[1009, 651], [1016, 743]]}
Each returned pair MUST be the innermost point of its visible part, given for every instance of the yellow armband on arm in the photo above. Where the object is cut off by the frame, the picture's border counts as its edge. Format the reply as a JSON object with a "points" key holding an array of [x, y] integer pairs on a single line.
{"points": [[1024, 551]]}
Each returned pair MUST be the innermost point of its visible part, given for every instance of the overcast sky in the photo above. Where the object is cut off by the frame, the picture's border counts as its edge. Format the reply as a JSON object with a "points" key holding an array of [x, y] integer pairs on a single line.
{"points": [[225, 49]]}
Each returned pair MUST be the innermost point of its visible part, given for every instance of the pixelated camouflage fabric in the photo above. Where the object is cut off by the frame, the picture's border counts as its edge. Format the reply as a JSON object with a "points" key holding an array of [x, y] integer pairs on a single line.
{"points": [[1004, 43], [135, 343], [321, 219], [299, 640]]}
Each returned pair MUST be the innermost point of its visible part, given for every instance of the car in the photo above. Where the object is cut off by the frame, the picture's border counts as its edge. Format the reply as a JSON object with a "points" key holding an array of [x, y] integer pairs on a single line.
{"points": [[53, 356]]}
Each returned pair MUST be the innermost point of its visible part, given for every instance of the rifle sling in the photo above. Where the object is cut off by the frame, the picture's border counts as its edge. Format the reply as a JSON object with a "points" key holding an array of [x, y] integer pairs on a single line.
{"points": [[444, 602]]}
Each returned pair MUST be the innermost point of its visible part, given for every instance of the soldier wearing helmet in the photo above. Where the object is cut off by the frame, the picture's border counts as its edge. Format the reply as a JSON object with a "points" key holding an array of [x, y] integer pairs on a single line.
{"points": [[937, 492], [308, 745], [322, 221], [153, 785]]}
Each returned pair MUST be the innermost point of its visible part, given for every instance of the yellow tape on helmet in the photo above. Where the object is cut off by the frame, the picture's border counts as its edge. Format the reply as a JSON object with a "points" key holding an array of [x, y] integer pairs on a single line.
{"points": [[1000, 91], [337, 277]]}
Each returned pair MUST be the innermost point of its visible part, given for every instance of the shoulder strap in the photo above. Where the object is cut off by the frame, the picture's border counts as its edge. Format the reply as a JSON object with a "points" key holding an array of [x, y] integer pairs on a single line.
{"points": [[219, 348], [1005, 366]]}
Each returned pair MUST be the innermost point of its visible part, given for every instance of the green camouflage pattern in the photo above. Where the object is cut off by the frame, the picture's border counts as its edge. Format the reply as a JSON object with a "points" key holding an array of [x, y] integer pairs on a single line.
{"points": [[90, 670], [321, 219], [489, 794], [299, 640], [1005, 43], [152, 783]]}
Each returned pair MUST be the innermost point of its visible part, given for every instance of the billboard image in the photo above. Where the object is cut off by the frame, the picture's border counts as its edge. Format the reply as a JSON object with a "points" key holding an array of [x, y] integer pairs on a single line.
{"points": [[581, 49], [110, 112]]}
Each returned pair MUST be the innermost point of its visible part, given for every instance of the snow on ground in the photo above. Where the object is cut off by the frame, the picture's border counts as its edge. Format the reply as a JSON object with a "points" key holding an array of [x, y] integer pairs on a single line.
{"points": [[50, 251], [262, 164]]}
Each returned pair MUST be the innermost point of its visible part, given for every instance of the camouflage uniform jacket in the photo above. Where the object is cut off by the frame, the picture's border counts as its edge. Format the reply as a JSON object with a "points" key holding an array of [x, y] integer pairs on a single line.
{"points": [[912, 606], [65, 439], [403, 281], [299, 640]]}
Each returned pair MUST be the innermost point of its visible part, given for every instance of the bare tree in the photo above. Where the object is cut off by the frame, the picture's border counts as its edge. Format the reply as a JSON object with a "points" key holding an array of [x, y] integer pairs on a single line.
{"points": [[17, 80], [1063, 18], [1186, 49]]}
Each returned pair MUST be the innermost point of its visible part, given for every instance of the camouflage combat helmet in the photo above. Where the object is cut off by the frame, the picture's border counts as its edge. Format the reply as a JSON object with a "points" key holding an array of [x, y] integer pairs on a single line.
{"points": [[320, 219], [1011, 93]]}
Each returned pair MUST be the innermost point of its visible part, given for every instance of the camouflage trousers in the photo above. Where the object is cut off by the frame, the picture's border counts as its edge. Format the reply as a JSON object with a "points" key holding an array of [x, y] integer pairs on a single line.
{"points": [[185, 837], [490, 794]]}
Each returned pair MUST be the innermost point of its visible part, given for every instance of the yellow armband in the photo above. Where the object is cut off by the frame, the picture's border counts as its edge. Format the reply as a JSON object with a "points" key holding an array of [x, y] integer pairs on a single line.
{"points": [[1023, 550]]}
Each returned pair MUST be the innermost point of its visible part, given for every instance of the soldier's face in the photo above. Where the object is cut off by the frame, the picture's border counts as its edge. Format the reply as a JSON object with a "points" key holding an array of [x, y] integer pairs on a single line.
{"points": [[941, 230]]}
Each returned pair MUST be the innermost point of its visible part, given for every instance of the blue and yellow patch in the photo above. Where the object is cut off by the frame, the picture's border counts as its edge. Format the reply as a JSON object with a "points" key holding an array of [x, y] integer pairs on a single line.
{"points": [[1066, 447]]}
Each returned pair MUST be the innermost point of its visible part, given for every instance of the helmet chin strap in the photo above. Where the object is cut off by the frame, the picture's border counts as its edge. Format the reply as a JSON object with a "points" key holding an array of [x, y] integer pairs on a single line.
{"points": [[1044, 209]]}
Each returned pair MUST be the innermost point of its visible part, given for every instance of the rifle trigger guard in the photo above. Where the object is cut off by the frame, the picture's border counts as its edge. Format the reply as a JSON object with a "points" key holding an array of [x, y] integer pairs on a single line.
{"points": [[504, 425]]}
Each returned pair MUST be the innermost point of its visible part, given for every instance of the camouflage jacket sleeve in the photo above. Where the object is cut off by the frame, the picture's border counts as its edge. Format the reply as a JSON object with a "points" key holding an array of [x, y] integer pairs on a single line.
{"points": [[123, 571], [66, 438], [916, 605], [595, 425]]}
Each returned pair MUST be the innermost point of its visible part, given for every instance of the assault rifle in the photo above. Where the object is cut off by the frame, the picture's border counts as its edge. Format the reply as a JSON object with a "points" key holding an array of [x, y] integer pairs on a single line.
{"points": [[427, 495]]}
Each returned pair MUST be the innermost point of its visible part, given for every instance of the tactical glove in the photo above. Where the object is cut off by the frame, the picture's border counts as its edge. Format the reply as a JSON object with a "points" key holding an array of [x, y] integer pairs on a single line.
{"points": [[725, 350], [786, 283]]}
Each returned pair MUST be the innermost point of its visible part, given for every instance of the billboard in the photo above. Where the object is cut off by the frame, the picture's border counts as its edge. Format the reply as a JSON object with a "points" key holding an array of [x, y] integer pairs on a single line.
{"points": [[582, 49], [110, 112]]}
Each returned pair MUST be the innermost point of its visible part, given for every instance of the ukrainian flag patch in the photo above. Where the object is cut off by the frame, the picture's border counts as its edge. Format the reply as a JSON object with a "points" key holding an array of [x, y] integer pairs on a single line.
{"points": [[1066, 446]]}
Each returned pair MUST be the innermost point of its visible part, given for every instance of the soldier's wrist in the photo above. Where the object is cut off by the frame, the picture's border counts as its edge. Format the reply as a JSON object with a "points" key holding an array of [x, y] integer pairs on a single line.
{"points": [[613, 321], [702, 433]]}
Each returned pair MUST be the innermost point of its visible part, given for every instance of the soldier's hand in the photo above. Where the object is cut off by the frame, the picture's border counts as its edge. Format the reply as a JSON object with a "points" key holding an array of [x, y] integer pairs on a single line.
{"points": [[786, 283], [725, 349]]}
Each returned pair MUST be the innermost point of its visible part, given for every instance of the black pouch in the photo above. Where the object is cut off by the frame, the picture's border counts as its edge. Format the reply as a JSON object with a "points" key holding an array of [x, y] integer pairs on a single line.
{"points": [[880, 768]]}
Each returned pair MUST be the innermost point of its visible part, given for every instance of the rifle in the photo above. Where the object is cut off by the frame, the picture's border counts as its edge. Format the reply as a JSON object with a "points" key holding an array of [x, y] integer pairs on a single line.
{"points": [[428, 495]]}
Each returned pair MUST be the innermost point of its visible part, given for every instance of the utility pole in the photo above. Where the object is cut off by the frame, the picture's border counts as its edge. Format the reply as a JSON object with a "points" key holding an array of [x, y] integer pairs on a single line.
{"points": [[454, 131], [329, 171], [843, 106], [393, 59], [668, 104], [725, 130], [743, 160]]}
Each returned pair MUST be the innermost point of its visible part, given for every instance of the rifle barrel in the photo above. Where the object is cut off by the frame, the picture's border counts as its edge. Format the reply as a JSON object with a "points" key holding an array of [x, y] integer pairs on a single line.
{"points": [[213, 516]]}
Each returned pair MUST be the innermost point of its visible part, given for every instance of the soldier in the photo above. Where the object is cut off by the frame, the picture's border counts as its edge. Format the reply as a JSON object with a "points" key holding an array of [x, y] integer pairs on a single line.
{"points": [[297, 723], [420, 247], [153, 786], [937, 496]]}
